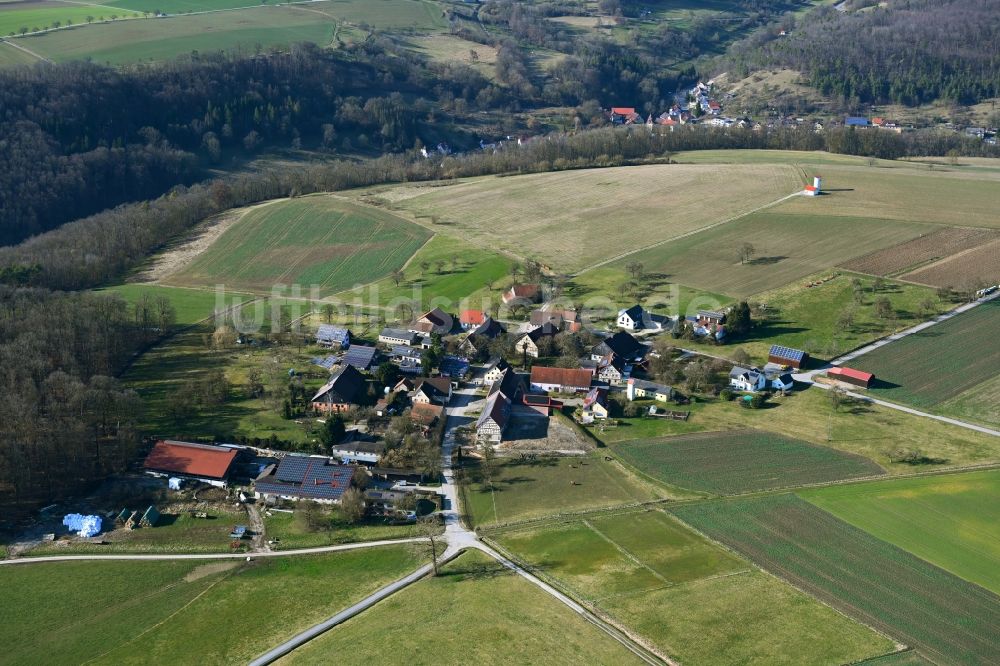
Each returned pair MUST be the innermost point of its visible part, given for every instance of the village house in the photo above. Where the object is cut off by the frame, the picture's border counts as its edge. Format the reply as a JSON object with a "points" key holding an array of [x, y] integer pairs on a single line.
{"points": [[359, 449], [640, 389], [431, 390], [408, 359], [614, 370], [500, 399], [328, 335], [185, 460], [426, 414], [636, 318], [471, 318], [623, 345], [360, 357], [495, 370], [305, 478], [563, 318], [522, 294], [528, 342], [398, 336], [435, 321], [748, 380], [341, 393], [560, 380], [595, 405], [623, 115]]}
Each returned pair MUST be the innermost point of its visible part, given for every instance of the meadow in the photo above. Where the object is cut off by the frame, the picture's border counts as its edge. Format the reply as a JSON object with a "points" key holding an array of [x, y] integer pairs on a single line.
{"points": [[158, 39], [867, 430], [690, 599], [37, 16], [875, 582], [528, 489], [929, 367], [977, 403], [951, 520], [11, 56], [788, 246], [190, 305], [736, 462], [142, 612], [570, 220], [292, 531], [476, 611], [320, 242]]}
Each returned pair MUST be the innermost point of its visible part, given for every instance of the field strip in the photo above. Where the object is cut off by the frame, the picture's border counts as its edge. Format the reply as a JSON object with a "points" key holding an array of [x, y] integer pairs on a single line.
{"points": [[98, 6], [605, 262], [321, 242], [624, 551], [26, 50]]}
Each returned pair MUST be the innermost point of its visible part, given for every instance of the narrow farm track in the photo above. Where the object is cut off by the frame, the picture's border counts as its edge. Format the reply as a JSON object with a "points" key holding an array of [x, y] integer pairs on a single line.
{"points": [[26, 50]]}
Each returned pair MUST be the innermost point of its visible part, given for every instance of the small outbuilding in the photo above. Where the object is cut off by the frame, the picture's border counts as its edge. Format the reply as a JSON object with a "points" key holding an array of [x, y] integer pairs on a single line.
{"points": [[851, 376]]}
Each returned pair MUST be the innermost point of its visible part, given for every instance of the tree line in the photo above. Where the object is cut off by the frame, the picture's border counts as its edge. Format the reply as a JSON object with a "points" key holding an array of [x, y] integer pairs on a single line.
{"points": [[912, 52]]}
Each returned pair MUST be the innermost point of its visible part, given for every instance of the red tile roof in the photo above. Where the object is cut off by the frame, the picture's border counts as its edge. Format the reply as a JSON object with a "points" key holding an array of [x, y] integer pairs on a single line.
{"points": [[623, 110], [192, 459], [476, 317], [425, 413], [570, 377], [852, 373]]}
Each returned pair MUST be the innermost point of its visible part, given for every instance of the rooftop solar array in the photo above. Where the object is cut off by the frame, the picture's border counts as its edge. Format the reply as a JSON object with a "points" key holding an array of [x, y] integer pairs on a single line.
{"points": [[787, 352], [308, 477], [329, 332], [325, 361], [454, 366], [404, 351], [359, 357]]}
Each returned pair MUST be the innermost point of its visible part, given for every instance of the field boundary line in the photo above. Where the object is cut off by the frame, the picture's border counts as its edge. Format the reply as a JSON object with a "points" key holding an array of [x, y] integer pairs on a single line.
{"points": [[624, 551], [728, 220], [26, 50]]}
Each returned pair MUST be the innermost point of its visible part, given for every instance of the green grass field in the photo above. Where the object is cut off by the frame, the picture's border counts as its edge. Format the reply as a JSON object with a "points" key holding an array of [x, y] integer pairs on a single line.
{"points": [[291, 531], [950, 520], [808, 318], [866, 430], [569, 220], [12, 57], [175, 533], [930, 367], [741, 461], [476, 612], [190, 305], [947, 618], [690, 599], [463, 275], [313, 241], [41, 15], [157, 39], [210, 612], [526, 489], [977, 403]]}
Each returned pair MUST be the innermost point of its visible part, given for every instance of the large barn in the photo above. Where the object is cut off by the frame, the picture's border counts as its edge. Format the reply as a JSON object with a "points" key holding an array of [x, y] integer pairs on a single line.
{"points": [[198, 462], [786, 356]]}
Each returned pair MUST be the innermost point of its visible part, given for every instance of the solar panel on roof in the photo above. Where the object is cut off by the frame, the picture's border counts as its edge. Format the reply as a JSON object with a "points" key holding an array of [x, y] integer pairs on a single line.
{"points": [[359, 357], [292, 469], [787, 352], [325, 362]]}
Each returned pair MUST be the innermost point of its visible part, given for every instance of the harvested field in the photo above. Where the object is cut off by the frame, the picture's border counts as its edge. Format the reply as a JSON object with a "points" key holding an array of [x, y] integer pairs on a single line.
{"points": [[931, 247], [936, 364], [569, 220], [741, 461], [943, 616], [321, 242], [979, 266]]}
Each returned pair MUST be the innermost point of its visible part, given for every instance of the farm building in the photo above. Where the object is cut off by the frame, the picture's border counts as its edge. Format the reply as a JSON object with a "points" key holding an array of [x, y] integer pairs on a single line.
{"points": [[623, 345], [435, 321], [495, 370], [359, 450], [305, 477], [490, 328], [341, 392], [360, 357], [851, 376], [522, 294], [542, 404], [328, 335], [636, 318], [814, 189], [426, 414], [198, 462], [560, 380], [614, 370], [398, 337], [494, 419], [510, 384], [786, 356], [639, 389], [471, 318], [564, 318]]}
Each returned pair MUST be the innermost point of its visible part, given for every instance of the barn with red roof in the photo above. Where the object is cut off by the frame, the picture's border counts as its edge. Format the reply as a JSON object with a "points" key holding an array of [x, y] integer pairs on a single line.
{"points": [[199, 462]]}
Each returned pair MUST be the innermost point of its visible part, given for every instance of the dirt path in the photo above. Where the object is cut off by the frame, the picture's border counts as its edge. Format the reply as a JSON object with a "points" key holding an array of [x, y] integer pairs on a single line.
{"points": [[26, 50], [186, 251]]}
